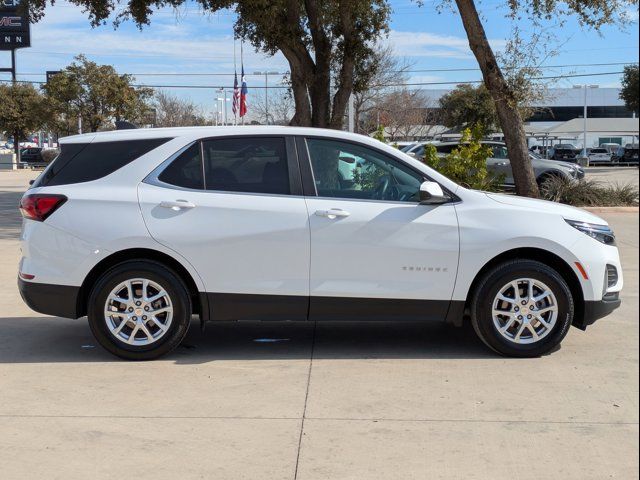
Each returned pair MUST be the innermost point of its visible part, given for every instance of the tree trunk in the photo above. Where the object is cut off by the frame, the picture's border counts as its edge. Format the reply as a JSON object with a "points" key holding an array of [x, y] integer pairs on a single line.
{"points": [[299, 73], [16, 145], [302, 115], [506, 105], [347, 69]]}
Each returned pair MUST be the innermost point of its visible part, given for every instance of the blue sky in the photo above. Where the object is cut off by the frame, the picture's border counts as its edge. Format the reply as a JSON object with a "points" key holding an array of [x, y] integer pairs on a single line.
{"points": [[186, 41]]}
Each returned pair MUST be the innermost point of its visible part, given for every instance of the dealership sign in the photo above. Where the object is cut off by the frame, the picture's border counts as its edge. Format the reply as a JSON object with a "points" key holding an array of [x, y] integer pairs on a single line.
{"points": [[14, 26]]}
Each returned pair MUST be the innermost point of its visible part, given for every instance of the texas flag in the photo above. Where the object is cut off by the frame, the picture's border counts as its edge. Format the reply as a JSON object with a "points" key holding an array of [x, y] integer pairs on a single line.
{"points": [[243, 94]]}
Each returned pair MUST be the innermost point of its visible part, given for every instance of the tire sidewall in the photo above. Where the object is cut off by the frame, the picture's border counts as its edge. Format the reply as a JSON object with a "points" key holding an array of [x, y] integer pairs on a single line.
{"points": [[483, 305], [157, 273]]}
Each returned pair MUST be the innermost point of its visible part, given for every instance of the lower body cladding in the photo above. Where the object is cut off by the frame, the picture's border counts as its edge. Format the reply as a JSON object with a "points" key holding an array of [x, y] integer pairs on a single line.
{"points": [[64, 301]]}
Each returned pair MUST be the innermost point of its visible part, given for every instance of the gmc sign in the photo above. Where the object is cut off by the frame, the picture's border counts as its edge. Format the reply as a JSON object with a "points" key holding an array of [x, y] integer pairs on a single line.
{"points": [[14, 26]]}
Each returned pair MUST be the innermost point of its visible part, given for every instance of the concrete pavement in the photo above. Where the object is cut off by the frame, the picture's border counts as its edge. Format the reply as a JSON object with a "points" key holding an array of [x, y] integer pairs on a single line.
{"points": [[336, 401], [614, 175]]}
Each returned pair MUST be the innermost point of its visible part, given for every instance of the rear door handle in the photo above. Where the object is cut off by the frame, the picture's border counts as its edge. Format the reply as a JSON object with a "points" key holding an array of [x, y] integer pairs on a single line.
{"points": [[332, 213], [177, 205]]}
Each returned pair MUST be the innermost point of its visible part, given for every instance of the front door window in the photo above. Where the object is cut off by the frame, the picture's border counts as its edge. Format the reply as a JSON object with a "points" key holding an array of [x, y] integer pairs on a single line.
{"points": [[350, 171]]}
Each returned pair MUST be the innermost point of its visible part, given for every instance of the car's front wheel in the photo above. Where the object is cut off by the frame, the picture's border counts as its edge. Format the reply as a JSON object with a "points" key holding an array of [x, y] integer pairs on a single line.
{"points": [[522, 308], [139, 310]]}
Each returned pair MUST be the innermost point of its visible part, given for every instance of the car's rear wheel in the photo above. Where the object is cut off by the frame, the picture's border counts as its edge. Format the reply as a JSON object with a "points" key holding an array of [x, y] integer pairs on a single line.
{"points": [[139, 310], [522, 308]]}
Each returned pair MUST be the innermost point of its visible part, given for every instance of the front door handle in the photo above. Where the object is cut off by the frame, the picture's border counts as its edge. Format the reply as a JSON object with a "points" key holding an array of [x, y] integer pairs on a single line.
{"points": [[332, 213], [177, 205]]}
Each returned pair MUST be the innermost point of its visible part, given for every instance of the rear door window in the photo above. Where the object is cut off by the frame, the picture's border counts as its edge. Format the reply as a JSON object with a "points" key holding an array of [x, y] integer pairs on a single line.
{"points": [[186, 170], [85, 162], [247, 164]]}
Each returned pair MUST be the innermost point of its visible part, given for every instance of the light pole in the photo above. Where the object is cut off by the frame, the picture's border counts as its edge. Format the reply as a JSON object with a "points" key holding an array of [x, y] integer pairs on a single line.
{"points": [[221, 106], [266, 92], [223, 100], [584, 115]]}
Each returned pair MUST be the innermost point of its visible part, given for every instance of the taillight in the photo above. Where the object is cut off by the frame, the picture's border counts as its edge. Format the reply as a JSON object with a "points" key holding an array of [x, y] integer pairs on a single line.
{"points": [[40, 205]]}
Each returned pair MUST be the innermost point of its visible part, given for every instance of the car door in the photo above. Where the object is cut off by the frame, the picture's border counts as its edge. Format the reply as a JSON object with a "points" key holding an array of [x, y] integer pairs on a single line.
{"points": [[376, 253], [233, 207], [499, 163]]}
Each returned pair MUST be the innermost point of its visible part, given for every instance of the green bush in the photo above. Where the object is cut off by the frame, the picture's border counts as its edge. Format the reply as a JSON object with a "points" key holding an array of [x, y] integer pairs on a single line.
{"points": [[588, 193], [379, 135], [467, 164]]}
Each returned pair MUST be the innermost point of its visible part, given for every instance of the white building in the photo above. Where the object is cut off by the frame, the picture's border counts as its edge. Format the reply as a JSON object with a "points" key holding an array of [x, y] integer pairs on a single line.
{"points": [[558, 118]]}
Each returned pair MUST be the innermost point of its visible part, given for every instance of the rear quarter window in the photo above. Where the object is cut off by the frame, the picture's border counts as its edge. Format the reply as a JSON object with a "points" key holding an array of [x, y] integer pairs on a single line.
{"points": [[85, 162]]}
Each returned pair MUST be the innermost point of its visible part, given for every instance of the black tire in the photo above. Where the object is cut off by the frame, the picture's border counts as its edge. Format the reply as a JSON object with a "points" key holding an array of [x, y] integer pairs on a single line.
{"points": [[163, 276], [488, 288]]}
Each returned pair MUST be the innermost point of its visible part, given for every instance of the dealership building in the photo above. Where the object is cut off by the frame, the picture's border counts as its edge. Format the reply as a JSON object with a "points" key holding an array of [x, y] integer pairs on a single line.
{"points": [[559, 118]]}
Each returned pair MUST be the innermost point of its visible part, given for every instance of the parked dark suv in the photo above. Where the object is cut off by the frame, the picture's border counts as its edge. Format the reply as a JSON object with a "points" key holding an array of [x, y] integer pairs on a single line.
{"points": [[565, 153], [626, 154], [32, 156]]}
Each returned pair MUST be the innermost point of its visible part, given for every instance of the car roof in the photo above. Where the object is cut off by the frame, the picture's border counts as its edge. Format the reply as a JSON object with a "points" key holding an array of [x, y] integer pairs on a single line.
{"points": [[201, 132]]}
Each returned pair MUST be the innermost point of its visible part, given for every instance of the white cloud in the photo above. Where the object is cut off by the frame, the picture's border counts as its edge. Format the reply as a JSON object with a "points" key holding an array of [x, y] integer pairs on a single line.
{"points": [[426, 44], [172, 43]]}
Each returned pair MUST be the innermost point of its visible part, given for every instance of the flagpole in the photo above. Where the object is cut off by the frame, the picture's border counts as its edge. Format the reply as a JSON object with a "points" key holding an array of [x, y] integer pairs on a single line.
{"points": [[242, 79], [235, 72]]}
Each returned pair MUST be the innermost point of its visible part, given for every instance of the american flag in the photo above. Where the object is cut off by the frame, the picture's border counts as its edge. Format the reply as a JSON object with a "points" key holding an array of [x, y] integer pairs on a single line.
{"points": [[243, 95], [235, 104]]}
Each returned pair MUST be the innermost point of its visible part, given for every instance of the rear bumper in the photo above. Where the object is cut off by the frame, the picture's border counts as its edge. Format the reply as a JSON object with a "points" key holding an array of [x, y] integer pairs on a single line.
{"points": [[596, 310], [56, 300]]}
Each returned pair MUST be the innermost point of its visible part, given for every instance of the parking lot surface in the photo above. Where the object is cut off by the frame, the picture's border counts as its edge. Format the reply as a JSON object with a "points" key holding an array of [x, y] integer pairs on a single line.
{"points": [[255, 400], [614, 175]]}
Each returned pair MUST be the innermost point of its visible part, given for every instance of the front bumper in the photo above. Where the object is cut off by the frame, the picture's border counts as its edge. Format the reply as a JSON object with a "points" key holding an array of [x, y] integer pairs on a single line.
{"points": [[595, 310], [56, 300]]}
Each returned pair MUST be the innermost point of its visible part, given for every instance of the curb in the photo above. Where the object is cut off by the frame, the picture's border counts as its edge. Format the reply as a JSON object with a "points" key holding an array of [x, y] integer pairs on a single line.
{"points": [[612, 209]]}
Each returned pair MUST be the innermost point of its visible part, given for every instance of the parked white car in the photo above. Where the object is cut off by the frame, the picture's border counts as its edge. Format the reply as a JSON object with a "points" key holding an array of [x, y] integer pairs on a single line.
{"points": [[599, 155], [140, 229]]}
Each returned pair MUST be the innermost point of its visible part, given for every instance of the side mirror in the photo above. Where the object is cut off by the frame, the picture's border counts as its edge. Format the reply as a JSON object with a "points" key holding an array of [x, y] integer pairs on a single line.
{"points": [[431, 194], [411, 154], [31, 182]]}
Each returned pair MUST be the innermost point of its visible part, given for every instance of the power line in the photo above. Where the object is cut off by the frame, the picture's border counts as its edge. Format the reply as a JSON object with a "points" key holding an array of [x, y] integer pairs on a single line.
{"points": [[439, 70], [412, 84], [182, 56]]}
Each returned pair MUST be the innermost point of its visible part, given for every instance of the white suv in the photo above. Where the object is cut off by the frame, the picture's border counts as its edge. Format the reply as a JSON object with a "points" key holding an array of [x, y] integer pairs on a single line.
{"points": [[140, 229]]}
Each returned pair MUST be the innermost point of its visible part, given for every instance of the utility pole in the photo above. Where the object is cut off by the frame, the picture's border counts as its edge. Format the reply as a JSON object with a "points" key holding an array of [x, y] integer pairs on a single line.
{"points": [[15, 32], [584, 118], [16, 139], [223, 99], [266, 96], [584, 133], [266, 92]]}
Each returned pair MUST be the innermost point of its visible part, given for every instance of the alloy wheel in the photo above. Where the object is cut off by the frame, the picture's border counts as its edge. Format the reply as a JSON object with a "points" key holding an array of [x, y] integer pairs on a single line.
{"points": [[525, 311], [138, 312]]}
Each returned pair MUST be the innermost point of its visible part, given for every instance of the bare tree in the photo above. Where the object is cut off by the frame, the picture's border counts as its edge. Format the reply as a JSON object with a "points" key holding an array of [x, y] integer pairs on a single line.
{"points": [[276, 109], [387, 72], [405, 114], [172, 111]]}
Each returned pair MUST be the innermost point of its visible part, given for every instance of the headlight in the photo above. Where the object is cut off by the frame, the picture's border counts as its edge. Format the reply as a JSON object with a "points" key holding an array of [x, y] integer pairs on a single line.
{"points": [[602, 233]]}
